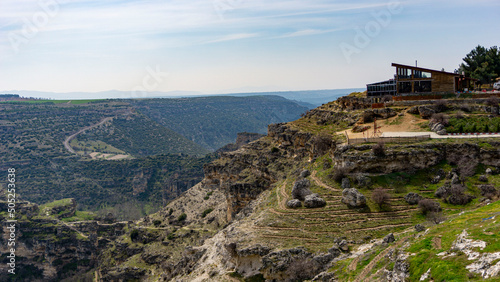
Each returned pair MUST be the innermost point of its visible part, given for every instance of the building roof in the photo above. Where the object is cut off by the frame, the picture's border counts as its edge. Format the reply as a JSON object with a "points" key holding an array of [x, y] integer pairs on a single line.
{"points": [[424, 69]]}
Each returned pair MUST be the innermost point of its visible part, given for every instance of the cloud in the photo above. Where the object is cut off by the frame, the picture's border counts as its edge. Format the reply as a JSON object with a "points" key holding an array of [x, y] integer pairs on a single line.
{"points": [[232, 37], [307, 32]]}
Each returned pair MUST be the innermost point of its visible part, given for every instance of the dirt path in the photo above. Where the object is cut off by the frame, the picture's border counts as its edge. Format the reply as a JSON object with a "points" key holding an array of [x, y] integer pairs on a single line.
{"points": [[283, 198], [322, 184], [374, 261], [71, 137]]}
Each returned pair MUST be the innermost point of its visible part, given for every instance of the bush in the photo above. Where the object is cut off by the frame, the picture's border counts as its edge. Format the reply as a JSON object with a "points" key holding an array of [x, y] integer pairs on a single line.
{"points": [[435, 217], [205, 212], [441, 105], [322, 143], [274, 150], [156, 222], [338, 174], [368, 116], [379, 149], [380, 197], [134, 235], [182, 217], [489, 191], [440, 118], [492, 101], [427, 206]]}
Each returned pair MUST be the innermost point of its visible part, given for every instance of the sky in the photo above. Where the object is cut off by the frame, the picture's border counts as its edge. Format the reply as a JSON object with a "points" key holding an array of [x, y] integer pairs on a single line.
{"points": [[223, 46]]}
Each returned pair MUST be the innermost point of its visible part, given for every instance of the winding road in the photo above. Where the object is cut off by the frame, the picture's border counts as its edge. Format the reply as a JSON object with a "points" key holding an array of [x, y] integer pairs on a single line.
{"points": [[71, 137]]}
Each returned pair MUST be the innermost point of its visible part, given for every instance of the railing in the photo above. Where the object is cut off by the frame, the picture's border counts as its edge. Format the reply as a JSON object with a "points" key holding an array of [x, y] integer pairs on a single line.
{"points": [[403, 139]]}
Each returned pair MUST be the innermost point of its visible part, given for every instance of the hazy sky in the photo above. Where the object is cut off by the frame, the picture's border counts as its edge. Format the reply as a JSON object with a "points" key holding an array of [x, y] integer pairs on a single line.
{"points": [[232, 45]]}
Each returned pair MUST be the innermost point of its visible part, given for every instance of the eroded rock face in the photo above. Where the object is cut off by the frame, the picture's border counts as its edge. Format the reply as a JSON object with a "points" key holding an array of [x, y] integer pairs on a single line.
{"points": [[413, 157], [314, 201], [353, 198]]}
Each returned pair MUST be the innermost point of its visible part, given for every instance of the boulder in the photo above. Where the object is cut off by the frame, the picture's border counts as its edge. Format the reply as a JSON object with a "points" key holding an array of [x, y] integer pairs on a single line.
{"points": [[442, 132], [455, 179], [305, 173], [413, 198], [419, 228], [294, 204], [344, 246], [353, 198], [425, 112], [489, 171], [346, 183], [413, 110], [314, 201], [301, 189], [483, 178], [436, 179], [363, 181], [442, 191], [389, 238], [335, 250]]}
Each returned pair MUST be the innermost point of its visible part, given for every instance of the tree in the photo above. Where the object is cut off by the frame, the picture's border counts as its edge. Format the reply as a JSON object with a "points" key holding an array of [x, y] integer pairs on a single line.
{"points": [[380, 197], [482, 64]]}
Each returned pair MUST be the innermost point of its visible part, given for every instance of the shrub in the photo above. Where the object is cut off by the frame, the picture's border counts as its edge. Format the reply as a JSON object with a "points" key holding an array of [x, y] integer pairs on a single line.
{"points": [[435, 217], [205, 212], [440, 118], [380, 197], [492, 101], [368, 116], [489, 191], [182, 217], [327, 163], [156, 222], [379, 149], [134, 235], [459, 115], [467, 167], [427, 206], [322, 143], [441, 105], [274, 150], [338, 174]]}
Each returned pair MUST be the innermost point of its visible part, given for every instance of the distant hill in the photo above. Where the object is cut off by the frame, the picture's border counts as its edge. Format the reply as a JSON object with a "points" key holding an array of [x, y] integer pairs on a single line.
{"points": [[215, 121]]}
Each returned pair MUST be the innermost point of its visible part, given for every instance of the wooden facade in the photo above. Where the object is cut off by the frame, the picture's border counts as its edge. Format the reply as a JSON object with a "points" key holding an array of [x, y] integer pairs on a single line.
{"points": [[410, 80]]}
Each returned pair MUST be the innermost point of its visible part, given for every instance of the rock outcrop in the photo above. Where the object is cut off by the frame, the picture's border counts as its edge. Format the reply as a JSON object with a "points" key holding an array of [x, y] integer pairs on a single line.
{"points": [[353, 198], [314, 201]]}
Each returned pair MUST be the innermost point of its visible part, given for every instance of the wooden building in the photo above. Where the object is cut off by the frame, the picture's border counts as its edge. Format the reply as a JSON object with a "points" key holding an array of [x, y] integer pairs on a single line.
{"points": [[412, 80]]}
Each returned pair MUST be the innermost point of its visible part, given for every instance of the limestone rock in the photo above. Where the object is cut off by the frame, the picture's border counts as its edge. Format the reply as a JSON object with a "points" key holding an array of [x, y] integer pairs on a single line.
{"points": [[455, 179], [483, 178], [346, 183], [389, 238], [344, 246], [294, 204], [335, 250], [413, 198], [301, 189], [314, 201], [353, 198], [419, 228], [425, 112], [364, 181], [489, 171], [305, 173]]}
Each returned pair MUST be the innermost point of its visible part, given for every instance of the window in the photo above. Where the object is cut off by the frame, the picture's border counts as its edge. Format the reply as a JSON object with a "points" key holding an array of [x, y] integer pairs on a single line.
{"points": [[421, 74], [404, 87], [423, 86]]}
